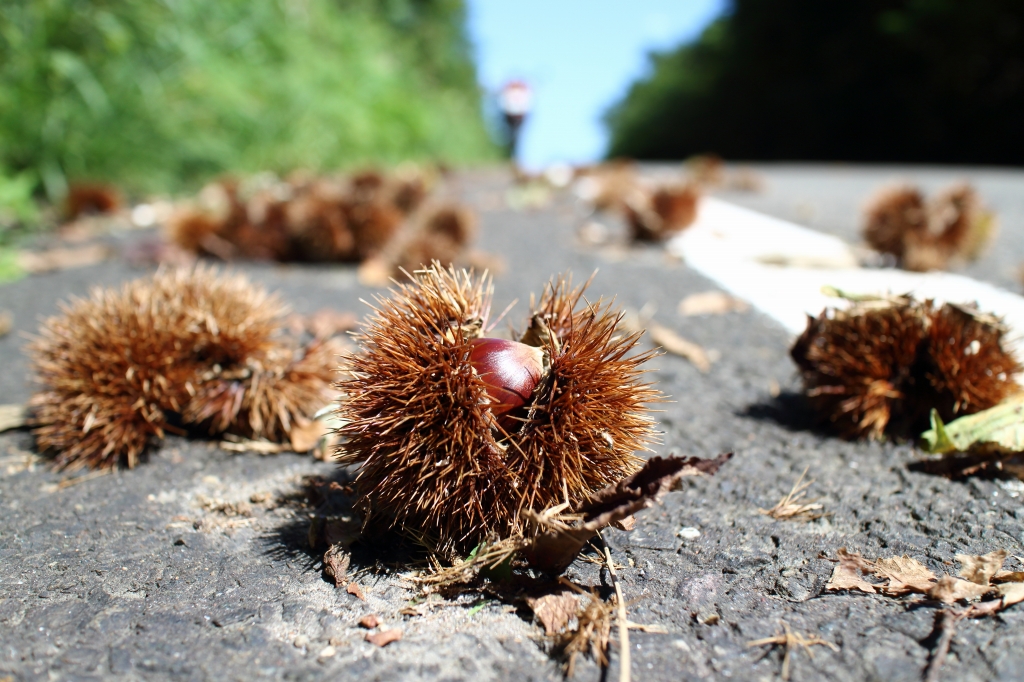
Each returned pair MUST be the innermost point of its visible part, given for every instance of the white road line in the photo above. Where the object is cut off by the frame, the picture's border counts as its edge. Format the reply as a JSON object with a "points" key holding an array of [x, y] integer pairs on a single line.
{"points": [[780, 268]]}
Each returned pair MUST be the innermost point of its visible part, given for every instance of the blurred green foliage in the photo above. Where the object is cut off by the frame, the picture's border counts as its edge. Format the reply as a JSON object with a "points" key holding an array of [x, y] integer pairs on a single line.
{"points": [[162, 94], [869, 80]]}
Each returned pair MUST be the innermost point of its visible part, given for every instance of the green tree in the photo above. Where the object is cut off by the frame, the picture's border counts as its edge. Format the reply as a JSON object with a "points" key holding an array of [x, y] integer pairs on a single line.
{"points": [[162, 94], [871, 80]]}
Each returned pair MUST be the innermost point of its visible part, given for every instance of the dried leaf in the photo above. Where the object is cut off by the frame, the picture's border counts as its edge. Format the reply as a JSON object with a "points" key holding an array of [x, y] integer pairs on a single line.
{"points": [[677, 345], [555, 545], [554, 610], [950, 590], [981, 569], [369, 621], [355, 591], [1000, 428], [905, 575], [711, 303], [592, 633], [847, 573], [12, 417], [1012, 593], [384, 637], [336, 563], [1008, 577]]}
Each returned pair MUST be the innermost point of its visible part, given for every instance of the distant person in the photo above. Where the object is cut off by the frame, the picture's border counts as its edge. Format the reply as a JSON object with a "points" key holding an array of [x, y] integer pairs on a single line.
{"points": [[515, 100]]}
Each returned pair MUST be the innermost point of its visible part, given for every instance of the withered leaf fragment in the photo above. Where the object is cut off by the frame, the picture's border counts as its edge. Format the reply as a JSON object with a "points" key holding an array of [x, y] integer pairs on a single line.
{"points": [[591, 635], [881, 366], [555, 609], [384, 637], [899, 576], [554, 546], [336, 563]]}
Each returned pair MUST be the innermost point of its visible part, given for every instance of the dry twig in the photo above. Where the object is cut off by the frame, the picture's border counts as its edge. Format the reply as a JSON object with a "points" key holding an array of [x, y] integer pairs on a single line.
{"points": [[791, 507], [623, 620], [792, 640]]}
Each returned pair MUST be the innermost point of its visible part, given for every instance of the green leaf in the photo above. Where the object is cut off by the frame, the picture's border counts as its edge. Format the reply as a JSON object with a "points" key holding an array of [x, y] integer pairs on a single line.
{"points": [[1000, 427], [501, 572], [477, 607]]}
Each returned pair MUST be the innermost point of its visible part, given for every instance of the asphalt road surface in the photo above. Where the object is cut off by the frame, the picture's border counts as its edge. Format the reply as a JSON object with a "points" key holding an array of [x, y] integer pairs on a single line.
{"points": [[192, 566]]}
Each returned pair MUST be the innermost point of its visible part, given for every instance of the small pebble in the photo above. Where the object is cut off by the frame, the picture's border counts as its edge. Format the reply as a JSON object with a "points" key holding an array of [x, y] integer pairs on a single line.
{"points": [[300, 642], [689, 533], [326, 652]]}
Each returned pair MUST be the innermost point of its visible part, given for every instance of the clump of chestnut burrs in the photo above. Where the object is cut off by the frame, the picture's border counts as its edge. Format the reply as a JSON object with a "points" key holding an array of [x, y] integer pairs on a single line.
{"points": [[368, 215], [882, 365], [184, 350], [928, 235], [653, 211], [460, 437]]}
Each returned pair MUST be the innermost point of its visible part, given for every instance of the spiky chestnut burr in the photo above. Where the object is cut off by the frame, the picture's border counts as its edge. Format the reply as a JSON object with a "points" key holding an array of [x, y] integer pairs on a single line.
{"points": [[457, 434], [119, 367], [881, 366], [927, 235], [660, 214]]}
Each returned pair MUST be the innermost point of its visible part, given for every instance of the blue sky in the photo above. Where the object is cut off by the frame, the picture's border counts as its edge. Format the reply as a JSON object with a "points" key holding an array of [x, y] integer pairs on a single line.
{"points": [[579, 56]]}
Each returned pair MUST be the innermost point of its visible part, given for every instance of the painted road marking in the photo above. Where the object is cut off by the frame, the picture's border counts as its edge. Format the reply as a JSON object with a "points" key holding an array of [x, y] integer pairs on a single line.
{"points": [[780, 268]]}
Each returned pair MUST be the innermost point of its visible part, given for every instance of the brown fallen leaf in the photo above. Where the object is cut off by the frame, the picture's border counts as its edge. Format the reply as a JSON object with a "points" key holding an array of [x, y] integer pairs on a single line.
{"points": [[1008, 577], [369, 621], [905, 575], [384, 637], [950, 590], [355, 591], [1011, 593], [981, 569], [792, 641], [336, 563], [711, 303], [670, 341], [848, 571], [592, 633], [556, 543], [677, 345], [12, 417], [554, 610], [791, 506], [36, 262]]}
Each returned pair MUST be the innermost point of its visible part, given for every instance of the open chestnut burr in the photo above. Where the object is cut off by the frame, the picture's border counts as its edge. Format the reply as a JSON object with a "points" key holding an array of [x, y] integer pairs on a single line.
{"points": [[457, 433]]}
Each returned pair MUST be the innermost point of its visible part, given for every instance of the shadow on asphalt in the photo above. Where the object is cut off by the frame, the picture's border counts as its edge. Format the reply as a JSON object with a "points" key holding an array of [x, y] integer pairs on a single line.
{"points": [[789, 410]]}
